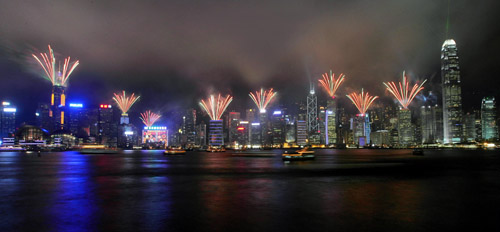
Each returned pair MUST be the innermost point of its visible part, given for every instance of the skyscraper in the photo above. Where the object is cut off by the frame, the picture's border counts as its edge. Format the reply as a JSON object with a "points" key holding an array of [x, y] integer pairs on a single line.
{"points": [[188, 127], [7, 120], [233, 123], [331, 122], [452, 93], [431, 124], [301, 130], [405, 128], [488, 119], [215, 136], [360, 125], [58, 107], [278, 128], [312, 117], [107, 127]]}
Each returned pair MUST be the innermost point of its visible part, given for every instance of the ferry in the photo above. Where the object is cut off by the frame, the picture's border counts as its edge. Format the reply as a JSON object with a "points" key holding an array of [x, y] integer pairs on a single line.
{"points": [[175, 151], [12, 148], [303, 154], [216, 149], [96, 149]]}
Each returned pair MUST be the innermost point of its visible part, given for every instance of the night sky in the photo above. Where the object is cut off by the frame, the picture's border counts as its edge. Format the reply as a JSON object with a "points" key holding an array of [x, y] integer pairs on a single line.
{"points": [[177, 52]]}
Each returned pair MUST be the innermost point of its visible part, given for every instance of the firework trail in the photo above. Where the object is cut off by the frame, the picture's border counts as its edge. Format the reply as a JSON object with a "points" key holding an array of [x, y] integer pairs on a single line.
{"points": [[262, 98], [330, 84], [404, 95], [124, 102], [362, 101], [48, 63], [149, 118], [214, 108]]}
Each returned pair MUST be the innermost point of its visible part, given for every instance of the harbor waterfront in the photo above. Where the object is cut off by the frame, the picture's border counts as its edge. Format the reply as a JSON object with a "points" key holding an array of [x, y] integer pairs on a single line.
{"points": [[349, 189]]}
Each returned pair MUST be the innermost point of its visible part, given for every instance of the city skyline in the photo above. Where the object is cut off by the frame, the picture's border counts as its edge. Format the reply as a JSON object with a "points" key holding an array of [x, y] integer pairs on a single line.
{"points": [[158, 80]]}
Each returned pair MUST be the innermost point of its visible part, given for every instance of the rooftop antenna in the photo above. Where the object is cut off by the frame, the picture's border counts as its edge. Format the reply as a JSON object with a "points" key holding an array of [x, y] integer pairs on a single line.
{"points": [[448, 20]]}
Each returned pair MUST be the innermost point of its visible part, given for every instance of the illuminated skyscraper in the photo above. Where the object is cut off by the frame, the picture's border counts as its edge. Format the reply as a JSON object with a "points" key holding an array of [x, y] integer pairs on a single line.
{"points": [[331, 122], [312, 117], [188, 127], [361, 129], [405, 128], [278, 128], [301, 130], [107, 127], [233, 123], [201, 134], [452, 93], [265, 127], [57, 107], [431, 124], [7, 120], [215, 136], [488, 119]]}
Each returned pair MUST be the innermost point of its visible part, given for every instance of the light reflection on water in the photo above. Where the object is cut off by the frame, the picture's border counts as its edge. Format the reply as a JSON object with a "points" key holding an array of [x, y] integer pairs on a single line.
{"points": [[216, 191]]}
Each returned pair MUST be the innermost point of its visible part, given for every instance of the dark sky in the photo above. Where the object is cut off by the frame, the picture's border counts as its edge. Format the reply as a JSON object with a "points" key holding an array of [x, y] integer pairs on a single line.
{"points": [[173, 53]]}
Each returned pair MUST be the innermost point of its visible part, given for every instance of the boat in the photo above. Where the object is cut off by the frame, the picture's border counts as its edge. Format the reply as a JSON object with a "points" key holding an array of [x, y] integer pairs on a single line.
{"points": [[12, 148], [96, 149], [303, 154], [418, 151], [216, 149], [175, 151]]}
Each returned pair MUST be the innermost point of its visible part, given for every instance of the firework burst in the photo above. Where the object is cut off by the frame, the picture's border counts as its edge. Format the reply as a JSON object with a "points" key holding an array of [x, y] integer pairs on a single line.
{"points": [[330, 84], [404, 95], [48, 63], [149, 118], [124, 102], [262, 98], [216, 107], [362, 101]]}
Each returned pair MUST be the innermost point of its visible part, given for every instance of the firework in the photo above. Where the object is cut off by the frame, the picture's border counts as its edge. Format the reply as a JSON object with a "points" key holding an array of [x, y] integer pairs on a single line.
{"points": [[404, 95], [262, 98], [362, 101], [48, 63], [214, 108], [330, 84], [124, 102], [149, 118]]}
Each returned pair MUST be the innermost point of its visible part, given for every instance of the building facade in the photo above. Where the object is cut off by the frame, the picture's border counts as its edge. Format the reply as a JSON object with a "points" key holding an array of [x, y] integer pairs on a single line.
{"points": [[452, 93], [489, 127]]}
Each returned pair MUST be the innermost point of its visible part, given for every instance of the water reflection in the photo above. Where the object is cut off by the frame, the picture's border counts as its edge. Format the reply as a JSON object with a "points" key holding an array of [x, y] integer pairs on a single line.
{"points": [[140, 191], [73, 205]]}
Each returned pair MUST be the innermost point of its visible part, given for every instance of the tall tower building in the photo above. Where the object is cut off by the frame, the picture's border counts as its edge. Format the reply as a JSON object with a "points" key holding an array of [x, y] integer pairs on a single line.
{"points": [[331, 122], [488, 119], [233, 124], [431, 124], [452, 93], [266, 129], [7, 120], [360, 125], [188, 127], [58, 107], [107, 128], [215, 136], [312, 116], [278, 128], [405, 127]]}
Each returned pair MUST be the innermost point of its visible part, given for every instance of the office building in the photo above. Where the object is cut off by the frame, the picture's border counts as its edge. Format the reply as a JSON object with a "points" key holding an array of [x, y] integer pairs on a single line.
{"points": [[452, 93], [405, 128], [7, 120], [488, 119]]}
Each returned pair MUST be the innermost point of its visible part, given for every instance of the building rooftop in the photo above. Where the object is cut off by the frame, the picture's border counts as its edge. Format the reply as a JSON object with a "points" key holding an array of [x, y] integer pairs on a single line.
{"points": [[449, 42]]}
